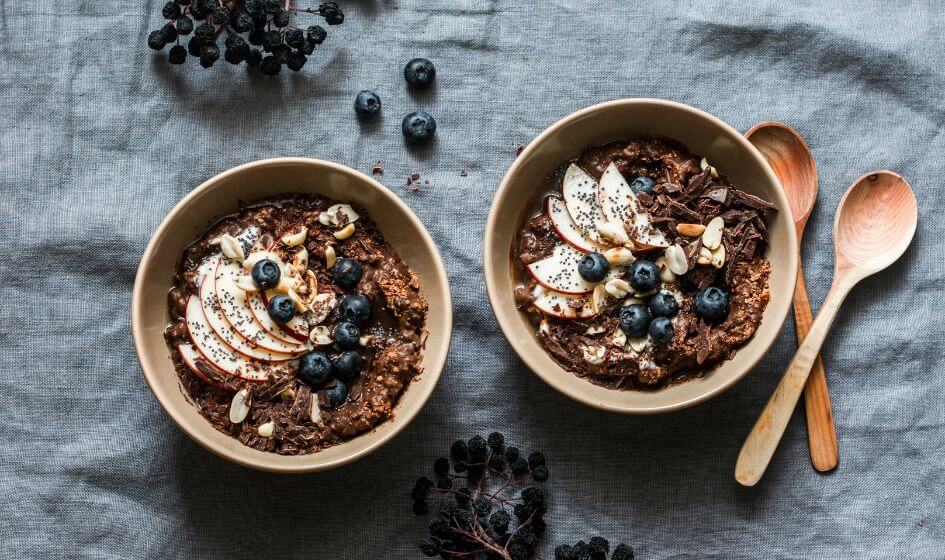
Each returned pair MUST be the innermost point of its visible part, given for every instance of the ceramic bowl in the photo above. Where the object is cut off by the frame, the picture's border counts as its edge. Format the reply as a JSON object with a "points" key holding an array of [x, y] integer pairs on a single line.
{"points": [[626, 119], [220, 196]]}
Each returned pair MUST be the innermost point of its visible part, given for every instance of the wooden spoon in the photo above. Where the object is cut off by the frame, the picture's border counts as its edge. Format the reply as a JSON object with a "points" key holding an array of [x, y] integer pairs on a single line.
{"points": [[793, 163], [874, 226]]}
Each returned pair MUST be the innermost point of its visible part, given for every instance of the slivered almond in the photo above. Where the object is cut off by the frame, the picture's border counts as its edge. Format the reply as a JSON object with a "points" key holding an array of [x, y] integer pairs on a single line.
{"points": [[666, 275], [330, 257], [718, 257], [239, 406], [676, 260], [594, 354], [321, 306], [294, 239], [619, 256], [341, 214], [705, 256], [596, 329], [267, 429], [345, 232], [639, 344], [315, 413], [366, 339], [712, 236], [690, 230], [598, 298], [617, 287], [619, 338], [320, 336], [231, 247], [614, 232], [299, 304]]}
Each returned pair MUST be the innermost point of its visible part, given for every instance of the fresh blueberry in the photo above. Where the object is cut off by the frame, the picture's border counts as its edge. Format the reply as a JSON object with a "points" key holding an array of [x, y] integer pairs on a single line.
{"points": [[712, 303], [347, 365], [355, 309], [593, 267], [418, 127], [661, 329], [644, 276], [419, 73], [337, 394], [347, 273], [367, 104], [641, 184], [315, 369], [281, 309], [634, 320], [266, 274], [664, 304], [347, 335]]}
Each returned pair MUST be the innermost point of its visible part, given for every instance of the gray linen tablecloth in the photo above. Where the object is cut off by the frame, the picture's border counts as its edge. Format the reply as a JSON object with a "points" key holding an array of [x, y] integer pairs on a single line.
{"points": [[100, 138]]}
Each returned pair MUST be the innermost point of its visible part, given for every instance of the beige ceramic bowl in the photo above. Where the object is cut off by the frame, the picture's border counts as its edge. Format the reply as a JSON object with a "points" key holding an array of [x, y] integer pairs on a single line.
{"points": [[220, 196], [625, 119]]}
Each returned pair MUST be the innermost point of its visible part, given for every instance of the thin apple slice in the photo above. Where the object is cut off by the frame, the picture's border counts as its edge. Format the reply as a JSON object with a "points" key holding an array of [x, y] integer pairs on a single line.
{"points": [[559, 272], [192, 359], [215, 350], [234, 304], [620, 204], [580, 197], [561, 305], [567, 230], [293, 332]]}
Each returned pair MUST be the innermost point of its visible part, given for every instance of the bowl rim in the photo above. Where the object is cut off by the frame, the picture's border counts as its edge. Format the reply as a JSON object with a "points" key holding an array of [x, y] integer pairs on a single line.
{"points": [[504, 319], [273, 462]]}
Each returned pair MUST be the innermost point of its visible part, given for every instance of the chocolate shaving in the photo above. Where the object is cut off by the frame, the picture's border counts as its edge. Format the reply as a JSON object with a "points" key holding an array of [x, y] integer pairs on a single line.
{"points": [[752, 200]]}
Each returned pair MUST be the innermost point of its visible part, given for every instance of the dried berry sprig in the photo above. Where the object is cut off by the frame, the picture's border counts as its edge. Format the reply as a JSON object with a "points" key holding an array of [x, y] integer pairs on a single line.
{"points": [[270, 40]]}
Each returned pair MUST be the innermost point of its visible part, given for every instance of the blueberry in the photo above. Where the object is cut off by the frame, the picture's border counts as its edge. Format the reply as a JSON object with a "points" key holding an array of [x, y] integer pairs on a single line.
{"points": [[347, 365], [281, 309], [266, 274], [661, 329], [337, 394], [418, 127], [419, 73], [634, 320], [664, 304], [367, 104], [355, 309], [593, 267], [347, 335], [712, 303], [347, 273], [641, 184], [644, 276], [315, 369]]}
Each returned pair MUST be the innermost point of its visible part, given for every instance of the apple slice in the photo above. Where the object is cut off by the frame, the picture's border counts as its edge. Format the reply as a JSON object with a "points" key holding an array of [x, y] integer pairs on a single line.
{"points": [[215, 350], [561, 305], [191, 357], [580, 197], [234, 304], [293, 332], [620, 204], [559, 272], [567, 230]]}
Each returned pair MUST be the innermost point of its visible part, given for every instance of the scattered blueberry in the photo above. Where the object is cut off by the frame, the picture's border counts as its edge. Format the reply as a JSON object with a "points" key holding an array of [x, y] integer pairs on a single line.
{"points": [[418, 127], [347, 365], [641, 184], [712, 303], [634, 320], [347, 335], [355, 309], [593, 267], [644, 276], [347, 273], [266, 274], [367, 104], [315, 369], [419, 73], [664, 304], [338, 393], [661, 329], [281, 309]]}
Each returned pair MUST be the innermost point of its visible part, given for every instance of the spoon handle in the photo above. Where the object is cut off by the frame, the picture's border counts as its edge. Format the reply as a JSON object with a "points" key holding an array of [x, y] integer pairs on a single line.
{"points": [[821, 432], [761, 443]]}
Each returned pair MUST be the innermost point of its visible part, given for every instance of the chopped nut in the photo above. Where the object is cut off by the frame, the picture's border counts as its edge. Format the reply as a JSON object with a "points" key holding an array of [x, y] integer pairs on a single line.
{"points": [[330, 257], [704, 164], [239, 406], [366, 339], [300, 261], [267, 429], [299, 304], [676, 260], [320, 336], [712, 236], [315, 413], [705, 256], [594, 354], [321, 306], [596, 329], [324, 219], [341, 214], [718, 257], [619, 256], [690, 230], [598, 298], [617, 287], [666, 275], [295, 239], [619, 338], [231, 247], [345, 232], [639, 344], [614, 232]]}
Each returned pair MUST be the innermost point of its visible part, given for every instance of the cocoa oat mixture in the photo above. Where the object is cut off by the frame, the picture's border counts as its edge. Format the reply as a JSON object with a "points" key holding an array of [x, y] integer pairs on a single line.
{"points": [[281, 416], [684, 191]]}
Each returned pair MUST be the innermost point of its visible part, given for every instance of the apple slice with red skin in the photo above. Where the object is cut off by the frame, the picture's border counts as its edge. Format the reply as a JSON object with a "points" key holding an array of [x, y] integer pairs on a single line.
{"points": [[293, 331], [580, 196], [564, 224], [192, 358], [562, 306], [620, 204], [234, 304], [215, 350], [559, 272]]}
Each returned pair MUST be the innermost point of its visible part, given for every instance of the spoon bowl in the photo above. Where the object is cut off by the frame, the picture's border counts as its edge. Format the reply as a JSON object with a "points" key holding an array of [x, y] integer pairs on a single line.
{"points": [[791, 160], [875, 223]]}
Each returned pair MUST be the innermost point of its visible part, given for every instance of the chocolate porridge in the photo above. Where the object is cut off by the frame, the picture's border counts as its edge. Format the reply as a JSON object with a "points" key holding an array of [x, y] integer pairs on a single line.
{"points": [[294, 325], [643, 266]]}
